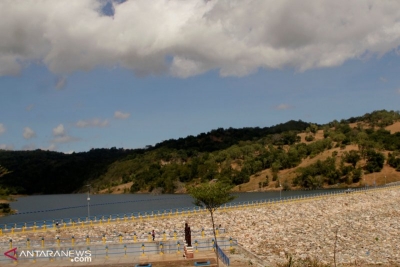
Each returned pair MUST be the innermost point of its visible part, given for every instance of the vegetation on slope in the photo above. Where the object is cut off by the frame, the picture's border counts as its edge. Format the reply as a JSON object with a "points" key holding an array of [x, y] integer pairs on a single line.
{"points": [[232, 156], [46, 172], [162, 168]]}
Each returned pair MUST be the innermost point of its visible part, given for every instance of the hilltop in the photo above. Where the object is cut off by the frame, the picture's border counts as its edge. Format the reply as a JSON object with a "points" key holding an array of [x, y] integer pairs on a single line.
{"points": [[296, 154]]}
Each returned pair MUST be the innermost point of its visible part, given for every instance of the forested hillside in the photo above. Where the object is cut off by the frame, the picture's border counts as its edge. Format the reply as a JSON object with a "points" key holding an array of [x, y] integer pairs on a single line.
{"points": [[47, 172], [166, 169], [294, 154]]}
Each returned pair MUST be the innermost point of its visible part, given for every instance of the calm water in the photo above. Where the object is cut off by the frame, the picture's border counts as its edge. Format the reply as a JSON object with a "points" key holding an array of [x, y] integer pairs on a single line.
{"points": [[55, 207]]}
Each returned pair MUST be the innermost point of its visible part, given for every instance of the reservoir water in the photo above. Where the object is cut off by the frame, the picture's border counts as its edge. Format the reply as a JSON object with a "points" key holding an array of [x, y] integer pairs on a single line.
{"points": [[73, 206]]}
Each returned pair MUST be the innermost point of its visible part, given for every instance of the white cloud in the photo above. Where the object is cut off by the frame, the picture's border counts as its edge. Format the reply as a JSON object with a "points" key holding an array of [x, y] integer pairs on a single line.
{"points": [[2, 128], [121, 115], [28, 133], [92, 123], [283, 107], [383, 79], [60, 136], [398, 91], [191, 37], [6, 147], [59, 130]]}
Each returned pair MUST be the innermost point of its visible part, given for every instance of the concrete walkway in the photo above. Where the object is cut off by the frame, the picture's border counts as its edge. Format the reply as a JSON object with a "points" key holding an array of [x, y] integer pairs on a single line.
{"points": [[165, 260]]}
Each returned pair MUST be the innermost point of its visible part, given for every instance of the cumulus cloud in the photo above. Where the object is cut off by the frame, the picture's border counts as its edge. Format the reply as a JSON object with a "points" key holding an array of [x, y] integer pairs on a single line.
{"points": [[91, 123], [59, 130], [283, 107], [2, 128], [236, 37], [61, 136], [28, 133], [121, 115]]}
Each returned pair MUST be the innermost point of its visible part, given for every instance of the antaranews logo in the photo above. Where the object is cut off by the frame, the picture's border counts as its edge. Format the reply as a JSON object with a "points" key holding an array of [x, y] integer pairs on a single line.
{"points": [[74, 255], [11, 256]]}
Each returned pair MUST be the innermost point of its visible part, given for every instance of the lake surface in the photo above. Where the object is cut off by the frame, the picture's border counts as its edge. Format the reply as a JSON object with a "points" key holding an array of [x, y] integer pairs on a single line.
{"points": [[74, 206]]}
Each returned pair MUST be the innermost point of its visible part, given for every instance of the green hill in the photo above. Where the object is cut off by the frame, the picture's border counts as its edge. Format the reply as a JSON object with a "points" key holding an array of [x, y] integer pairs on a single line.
{"points": [[230, 155]]}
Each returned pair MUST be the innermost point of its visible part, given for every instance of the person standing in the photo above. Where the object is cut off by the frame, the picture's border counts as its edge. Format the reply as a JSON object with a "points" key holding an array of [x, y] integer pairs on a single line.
{"points": [[153, 234], [188, 235]]}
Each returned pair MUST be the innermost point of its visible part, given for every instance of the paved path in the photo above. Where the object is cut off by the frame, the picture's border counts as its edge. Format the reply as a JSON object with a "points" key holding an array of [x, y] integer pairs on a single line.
{"points": [[165, 260]]}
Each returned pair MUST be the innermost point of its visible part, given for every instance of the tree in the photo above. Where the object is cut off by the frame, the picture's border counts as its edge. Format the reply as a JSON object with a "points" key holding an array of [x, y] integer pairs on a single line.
{"points": [[375, 161], [211, 196], [351, 157], [309, 138], [266, 183], [286, 185], [313, 128]]}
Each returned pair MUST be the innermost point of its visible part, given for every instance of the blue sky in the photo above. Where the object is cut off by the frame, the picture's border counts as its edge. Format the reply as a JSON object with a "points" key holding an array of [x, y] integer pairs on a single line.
{"points": [[59, 99]]}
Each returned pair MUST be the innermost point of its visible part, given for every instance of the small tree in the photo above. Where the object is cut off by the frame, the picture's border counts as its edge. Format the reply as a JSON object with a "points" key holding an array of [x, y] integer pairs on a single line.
{"points": [[286, 185], [266, 183], [211, 196]]}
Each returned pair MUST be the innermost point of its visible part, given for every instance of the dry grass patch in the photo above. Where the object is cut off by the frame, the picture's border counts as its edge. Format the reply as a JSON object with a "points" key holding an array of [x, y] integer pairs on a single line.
{"points": [[394, 128]]}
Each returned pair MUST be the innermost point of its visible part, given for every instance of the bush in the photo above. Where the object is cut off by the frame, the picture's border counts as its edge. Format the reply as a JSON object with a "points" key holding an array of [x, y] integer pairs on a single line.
{"points": [[5, 207], [394, 161], [375, 161], [286, 185], [266, 183], [346, 170], [351, 157], [135, 187], [309, 138], [356, 175]]}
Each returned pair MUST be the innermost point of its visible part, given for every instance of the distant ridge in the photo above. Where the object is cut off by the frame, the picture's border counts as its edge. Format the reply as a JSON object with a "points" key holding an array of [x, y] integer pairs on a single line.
{"points": [[294, 154]]}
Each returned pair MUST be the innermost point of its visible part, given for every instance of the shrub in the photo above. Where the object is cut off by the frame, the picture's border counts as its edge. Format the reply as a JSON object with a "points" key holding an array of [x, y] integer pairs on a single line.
{"points": [[266, 183], [5, 207], [375, 161], [309, 138], [286, 185], [356, 175]]}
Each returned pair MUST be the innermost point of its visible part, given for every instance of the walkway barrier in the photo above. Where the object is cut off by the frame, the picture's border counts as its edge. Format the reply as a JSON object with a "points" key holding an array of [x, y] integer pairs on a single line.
{"points": [[99, 251], [11, 228], [221, 255]]}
